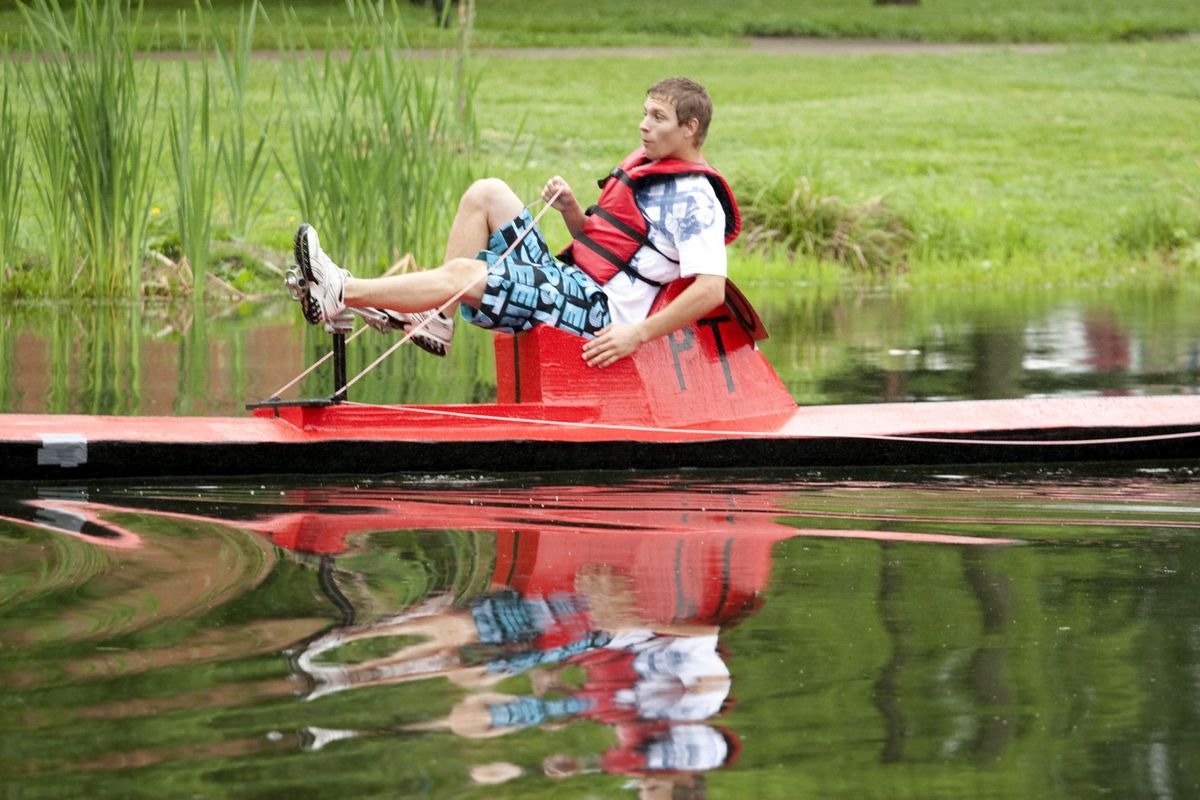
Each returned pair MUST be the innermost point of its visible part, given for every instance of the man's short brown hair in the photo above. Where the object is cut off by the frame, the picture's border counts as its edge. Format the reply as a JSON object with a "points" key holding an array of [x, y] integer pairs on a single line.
{"points": [[690, 99]]}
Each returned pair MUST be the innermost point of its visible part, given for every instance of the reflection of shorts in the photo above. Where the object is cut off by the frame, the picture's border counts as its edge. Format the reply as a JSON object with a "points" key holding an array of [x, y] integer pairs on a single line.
{"points": [[518, 633], [530, 288]]}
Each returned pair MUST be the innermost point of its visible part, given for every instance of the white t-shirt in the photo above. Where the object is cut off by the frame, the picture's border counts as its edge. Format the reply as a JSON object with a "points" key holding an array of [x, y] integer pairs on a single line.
{"points": [[687, 223]]}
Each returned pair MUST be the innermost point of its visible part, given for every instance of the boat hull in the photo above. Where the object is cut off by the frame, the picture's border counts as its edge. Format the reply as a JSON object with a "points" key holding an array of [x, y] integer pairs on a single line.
{"points": [[521, 438]]}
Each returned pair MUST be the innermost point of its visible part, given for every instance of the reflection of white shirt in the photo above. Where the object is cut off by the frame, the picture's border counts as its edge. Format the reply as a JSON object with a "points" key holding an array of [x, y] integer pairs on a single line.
{"points": [[687, 224], [668, 667], [688, 747]]}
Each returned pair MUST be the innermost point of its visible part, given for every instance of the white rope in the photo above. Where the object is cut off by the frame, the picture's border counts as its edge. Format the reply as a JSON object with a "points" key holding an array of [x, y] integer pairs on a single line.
{"points": [[711, 432], [317, 363]]}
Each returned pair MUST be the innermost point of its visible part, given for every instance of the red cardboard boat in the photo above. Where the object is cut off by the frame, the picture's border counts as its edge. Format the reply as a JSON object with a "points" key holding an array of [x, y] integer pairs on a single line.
{"points": [[703, 397]]}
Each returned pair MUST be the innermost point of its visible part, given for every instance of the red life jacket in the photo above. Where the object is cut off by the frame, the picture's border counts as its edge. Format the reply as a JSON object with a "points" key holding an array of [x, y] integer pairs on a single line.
{"points": [[615, 228]]}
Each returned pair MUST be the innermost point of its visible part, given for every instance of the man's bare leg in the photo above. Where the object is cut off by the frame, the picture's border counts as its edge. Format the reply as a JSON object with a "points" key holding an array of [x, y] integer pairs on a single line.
{"points": [[487, 205], [421, 291]]}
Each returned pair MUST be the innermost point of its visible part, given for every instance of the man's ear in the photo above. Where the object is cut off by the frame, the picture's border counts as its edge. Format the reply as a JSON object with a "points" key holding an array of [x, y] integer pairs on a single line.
{"points": [[692, 126]]}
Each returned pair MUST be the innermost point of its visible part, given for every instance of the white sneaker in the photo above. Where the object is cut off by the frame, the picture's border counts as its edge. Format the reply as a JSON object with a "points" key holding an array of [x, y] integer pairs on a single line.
{"points": [[433, 338], [436, 334], [377, 318], [321, 295]]}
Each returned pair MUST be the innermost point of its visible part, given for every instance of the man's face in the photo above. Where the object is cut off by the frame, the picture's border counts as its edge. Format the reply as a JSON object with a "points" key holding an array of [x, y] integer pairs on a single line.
{"points": [[662, 135]]}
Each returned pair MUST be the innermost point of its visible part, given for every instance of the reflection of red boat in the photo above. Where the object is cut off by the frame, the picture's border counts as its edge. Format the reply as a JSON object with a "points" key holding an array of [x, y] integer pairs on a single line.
{"points": [[704, 397], [589, 520]]}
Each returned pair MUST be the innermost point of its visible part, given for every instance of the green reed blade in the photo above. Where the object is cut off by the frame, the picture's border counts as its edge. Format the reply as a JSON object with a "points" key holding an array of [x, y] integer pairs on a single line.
{"points": [[196, 158], [12, 168], [245, 160]]}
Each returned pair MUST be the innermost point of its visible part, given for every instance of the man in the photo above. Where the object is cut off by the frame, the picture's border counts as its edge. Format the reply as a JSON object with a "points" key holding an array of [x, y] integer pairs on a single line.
{"points": [[663, 214]]}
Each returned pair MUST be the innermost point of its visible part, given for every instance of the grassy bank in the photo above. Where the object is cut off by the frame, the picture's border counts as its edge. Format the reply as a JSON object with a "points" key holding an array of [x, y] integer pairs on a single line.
{"points": [[1077, 165], [540, 23], [1007, 166]]}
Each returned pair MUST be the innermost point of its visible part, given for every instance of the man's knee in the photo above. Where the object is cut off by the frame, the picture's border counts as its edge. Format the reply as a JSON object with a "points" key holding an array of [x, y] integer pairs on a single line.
{"points": [[466, 267], [487, 192], [470, 273], [493, 198]]}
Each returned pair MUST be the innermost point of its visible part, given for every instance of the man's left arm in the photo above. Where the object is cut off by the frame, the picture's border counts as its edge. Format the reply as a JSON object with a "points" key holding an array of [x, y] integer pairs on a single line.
{"points": [[616, 341]]}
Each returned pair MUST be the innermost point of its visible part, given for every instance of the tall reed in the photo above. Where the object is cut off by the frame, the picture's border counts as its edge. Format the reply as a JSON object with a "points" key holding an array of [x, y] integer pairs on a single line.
{"points": [[10, 385], [12, 167], [244, 160], [463, 81], [55, 189], [89, 71], [381, 151], [195, 157]]}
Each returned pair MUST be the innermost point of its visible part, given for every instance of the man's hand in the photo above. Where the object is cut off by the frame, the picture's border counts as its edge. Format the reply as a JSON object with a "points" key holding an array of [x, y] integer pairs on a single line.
{"points": [[560, 196], [565, 198], [617, 340], [612, 343]]}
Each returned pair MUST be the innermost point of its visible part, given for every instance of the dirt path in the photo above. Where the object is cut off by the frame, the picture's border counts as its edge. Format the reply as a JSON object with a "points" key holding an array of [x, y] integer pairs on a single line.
{"points": [[798, 45], [809, 46], [784, 45]]}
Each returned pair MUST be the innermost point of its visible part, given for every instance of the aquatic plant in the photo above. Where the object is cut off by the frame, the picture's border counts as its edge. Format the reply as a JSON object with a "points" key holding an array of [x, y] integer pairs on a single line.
{"points": [[793, 215], [53, 182], [195, 159], [381, 152], [12, 166], [89, 70], [244, 159]]}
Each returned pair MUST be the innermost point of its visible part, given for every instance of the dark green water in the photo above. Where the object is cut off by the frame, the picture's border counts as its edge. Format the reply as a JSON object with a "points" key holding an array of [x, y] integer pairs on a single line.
{"points": [[1016, 634], [949, 636]]}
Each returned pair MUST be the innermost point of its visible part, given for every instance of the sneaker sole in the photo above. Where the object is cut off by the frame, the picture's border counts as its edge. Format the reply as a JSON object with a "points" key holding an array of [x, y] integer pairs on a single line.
{"points": [[432, 346], [300, 250]]}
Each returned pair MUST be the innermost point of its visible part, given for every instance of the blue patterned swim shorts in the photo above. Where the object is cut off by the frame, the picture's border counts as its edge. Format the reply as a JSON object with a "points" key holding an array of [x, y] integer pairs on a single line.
{"points": [[530, 288]]}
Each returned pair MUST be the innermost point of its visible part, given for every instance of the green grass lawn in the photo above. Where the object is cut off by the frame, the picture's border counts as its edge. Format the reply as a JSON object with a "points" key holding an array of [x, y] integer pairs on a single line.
{"points": [[514, 23], [1075, 158], [1079, 164]]}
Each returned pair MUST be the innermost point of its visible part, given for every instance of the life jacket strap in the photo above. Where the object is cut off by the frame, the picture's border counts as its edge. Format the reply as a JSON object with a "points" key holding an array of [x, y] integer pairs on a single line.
{"points": [[613, 259], [643, 239], [617, 173]]}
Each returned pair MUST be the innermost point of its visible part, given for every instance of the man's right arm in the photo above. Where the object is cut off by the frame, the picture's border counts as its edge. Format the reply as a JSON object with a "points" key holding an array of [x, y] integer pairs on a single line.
{"points": [[559, 195]]}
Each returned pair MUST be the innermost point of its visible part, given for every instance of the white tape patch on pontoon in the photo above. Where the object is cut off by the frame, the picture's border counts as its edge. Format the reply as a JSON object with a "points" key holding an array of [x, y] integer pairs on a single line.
{"points": [[62, 449]]}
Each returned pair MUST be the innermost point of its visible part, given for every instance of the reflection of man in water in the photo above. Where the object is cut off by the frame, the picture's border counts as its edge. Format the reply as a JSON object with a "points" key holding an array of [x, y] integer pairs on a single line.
{"points": [[637, 676], [654, 684], [497, 636]]}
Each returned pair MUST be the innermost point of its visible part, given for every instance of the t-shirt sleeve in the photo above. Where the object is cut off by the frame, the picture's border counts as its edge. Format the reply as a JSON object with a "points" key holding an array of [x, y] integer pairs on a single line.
{"points": [[695, 223], [697, 227]]}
